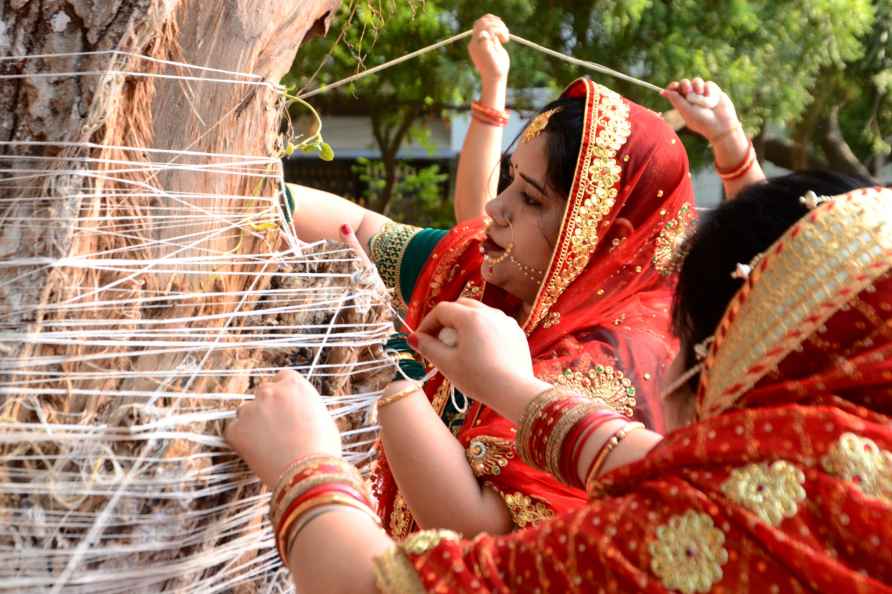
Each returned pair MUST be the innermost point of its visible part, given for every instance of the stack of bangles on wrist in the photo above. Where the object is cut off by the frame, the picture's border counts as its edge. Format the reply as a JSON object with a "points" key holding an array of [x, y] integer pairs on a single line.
{"points": [[740, 170], [555, 428], [489, 115], [310, 487]]}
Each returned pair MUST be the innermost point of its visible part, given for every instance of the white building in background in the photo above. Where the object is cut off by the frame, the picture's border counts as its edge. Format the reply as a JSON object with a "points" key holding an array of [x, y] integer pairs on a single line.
{"points": [[351, 137]]}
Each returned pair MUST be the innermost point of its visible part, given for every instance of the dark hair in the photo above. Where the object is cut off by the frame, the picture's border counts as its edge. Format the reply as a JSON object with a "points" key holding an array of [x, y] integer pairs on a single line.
{"points": [[564, 137], [734, 233]]}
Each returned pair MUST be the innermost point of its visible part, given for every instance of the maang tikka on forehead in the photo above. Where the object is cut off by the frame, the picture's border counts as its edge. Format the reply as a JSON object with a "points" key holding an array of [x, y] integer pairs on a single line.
{"points": [[537, 125]]}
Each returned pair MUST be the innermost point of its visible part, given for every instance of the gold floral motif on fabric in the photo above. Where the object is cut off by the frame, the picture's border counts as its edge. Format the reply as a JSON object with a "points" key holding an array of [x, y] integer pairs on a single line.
{"points": [[603, 384], [595, 192], [771, 491], [812, 271], [489, 455], [421, 542], [401, 519], [552, 319], [862, 462], [688, 553], [395, 574], [472, 290], [525, 510], [386, 250], [667, 251]]}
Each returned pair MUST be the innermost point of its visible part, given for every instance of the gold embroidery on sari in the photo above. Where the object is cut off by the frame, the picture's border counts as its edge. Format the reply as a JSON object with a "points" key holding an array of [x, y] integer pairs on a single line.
{"points": [[667, 251], [472, 290], [400, 518], [603, 384], [421, 542], [596, 190], [771, 491], [552, 319], [387, 248], [395, 574], [688, 553], [489, 455], [812, 271], [438, 402], [525, 510], [863, 463]]}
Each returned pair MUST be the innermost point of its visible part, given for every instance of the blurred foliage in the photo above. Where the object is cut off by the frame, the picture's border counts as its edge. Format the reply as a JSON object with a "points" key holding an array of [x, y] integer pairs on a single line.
{"points": [[812, 79]]}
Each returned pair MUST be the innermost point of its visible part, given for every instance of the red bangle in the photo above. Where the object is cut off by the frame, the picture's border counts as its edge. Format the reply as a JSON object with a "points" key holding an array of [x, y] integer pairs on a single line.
{"points": [[575, 443], [489, 115], [741, 169], [317, 492], [543, 426]]}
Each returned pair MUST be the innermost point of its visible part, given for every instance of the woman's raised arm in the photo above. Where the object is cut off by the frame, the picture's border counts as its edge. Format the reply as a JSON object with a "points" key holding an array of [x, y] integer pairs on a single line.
{"points": [[708, 111], [320, 215], [477, 178]]}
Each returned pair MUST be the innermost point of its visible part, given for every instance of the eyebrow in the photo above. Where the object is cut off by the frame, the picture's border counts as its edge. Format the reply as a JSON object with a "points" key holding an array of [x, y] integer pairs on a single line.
{"points": [[539, 186]]}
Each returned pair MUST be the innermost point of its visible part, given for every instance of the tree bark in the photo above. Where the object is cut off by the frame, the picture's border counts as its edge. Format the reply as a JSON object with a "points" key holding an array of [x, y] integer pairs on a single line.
{"points": [[73, 147]]}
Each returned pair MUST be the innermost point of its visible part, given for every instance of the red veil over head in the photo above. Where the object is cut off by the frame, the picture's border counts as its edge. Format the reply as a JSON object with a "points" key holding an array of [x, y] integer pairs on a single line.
{"points": [[784, 484], [600, 321]]}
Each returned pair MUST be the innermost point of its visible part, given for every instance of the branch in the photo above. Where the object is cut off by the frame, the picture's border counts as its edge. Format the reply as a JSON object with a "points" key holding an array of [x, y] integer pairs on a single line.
{"points": [[841, 156], [784, 153]]}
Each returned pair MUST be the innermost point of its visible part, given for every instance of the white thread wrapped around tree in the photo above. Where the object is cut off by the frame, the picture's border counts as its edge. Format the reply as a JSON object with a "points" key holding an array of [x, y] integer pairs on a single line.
{"points": [[145, 276]]}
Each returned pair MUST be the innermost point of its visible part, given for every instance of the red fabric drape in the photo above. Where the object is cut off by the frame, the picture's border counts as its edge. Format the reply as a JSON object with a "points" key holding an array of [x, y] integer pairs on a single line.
{"points": [[787, 487], [601, 320]]}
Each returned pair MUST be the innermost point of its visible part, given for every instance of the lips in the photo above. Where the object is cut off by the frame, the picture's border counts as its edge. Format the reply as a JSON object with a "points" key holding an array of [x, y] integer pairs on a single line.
{"points": [[491, 247]]}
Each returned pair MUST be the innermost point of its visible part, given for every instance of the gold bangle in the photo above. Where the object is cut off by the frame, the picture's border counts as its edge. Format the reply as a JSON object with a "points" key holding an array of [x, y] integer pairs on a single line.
{"points": [[331, 498], [305, 485], [555, 441], [309, 463], [321, 511], [532, 410], [404, 393], [608, 448]]}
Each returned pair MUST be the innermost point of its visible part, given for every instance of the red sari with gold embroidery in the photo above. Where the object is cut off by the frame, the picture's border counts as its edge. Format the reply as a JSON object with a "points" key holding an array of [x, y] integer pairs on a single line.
{"points": [[600, 322], [785, 482]]}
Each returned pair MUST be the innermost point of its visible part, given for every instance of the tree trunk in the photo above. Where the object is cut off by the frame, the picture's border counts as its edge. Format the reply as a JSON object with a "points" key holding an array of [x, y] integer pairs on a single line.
{"points": [[137, 197]]}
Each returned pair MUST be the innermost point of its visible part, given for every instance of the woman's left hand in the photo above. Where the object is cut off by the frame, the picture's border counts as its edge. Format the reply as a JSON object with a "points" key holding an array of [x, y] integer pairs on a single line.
{"points": [[286, 420]]}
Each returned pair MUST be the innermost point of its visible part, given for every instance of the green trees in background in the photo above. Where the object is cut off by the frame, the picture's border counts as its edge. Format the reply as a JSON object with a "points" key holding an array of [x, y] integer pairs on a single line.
{"points": [[812, 79]]}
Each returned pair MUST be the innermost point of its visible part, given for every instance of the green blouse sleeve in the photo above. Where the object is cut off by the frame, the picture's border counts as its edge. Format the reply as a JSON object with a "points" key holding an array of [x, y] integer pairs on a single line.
{"points": [[400, 251]]}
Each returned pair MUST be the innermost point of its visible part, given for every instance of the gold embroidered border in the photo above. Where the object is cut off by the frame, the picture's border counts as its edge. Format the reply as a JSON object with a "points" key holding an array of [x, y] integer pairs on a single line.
{"points": [[395, 574], [387, 248], [818, 265], [596, 188]]}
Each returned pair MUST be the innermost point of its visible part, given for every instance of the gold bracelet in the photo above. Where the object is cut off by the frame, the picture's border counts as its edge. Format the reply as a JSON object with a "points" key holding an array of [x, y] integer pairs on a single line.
{"points": [[608, 448], [404, 393]]}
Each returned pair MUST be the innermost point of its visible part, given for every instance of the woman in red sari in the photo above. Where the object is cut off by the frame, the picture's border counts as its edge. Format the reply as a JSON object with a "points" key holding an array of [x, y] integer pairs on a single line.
{"points": [[783, 483], [596, 317]]}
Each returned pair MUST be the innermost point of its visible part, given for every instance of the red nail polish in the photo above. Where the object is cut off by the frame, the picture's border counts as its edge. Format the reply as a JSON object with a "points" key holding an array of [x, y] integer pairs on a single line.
{"points": [[345, 229], [412, 339]]}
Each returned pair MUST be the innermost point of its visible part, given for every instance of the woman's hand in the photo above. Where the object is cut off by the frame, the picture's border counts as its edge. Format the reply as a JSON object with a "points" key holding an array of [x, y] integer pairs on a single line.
{"points": [[486, 49], [710, 122], [491, 357], [285, 420]]}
